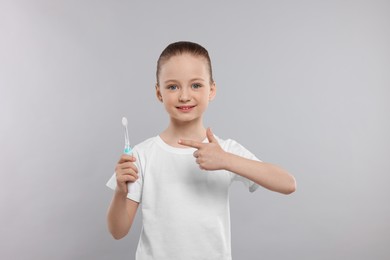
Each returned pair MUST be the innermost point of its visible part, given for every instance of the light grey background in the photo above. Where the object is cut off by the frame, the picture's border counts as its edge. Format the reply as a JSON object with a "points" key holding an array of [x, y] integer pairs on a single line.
{"points": [[303, 84]]}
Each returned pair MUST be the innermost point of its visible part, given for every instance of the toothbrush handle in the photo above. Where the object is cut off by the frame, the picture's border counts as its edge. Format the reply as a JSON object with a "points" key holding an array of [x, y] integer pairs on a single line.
{"points": [[131, 187], [128, 150]]}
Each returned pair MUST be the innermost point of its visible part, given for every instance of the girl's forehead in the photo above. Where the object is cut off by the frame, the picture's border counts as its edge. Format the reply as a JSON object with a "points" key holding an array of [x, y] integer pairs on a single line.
{"points": [[184, 64], [186, 58]]}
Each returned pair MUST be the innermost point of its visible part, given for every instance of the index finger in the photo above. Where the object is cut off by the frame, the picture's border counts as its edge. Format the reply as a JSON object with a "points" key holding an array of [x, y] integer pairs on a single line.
{"points": [[190, 143]]}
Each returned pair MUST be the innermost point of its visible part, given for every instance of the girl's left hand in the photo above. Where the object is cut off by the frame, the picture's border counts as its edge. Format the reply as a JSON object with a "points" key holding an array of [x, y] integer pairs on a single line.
{"points": [[210, 156]]}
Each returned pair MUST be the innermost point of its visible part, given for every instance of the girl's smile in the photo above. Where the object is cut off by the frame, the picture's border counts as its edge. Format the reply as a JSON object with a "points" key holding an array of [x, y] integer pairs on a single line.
{"points": [[185, 109]]}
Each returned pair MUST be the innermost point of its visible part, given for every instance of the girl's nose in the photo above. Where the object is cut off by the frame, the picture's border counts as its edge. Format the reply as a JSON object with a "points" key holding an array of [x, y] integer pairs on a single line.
{"points": [[184, 95]]}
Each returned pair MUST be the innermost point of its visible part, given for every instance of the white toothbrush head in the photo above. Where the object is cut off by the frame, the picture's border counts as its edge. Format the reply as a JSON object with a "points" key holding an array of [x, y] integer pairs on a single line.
{"points": [[124, 121]]}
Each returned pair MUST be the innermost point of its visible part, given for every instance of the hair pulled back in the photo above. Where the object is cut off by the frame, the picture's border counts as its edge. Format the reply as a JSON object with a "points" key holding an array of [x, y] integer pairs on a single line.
{"points": [[183, 47]]}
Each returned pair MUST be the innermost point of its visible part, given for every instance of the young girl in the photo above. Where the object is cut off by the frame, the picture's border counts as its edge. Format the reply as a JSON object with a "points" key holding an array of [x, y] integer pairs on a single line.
{"points": [[181, 177]]}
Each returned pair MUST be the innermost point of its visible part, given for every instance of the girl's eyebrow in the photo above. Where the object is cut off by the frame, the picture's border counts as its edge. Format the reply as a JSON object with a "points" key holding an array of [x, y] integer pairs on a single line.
{"points": [[197, 79], [176, 81], [170, 80]]}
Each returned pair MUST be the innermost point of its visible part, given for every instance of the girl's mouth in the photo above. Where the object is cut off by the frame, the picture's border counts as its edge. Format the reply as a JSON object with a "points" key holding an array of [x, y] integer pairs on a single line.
{"points": [[185, 108]]}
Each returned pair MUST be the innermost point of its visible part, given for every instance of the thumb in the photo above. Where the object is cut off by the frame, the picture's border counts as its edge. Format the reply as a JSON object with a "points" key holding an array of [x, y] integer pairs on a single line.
{"points": [[210, 136]]}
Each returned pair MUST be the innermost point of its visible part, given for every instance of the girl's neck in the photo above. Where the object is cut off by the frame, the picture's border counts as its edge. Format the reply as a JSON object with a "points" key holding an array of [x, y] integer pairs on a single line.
{"points": [[183, 130]]}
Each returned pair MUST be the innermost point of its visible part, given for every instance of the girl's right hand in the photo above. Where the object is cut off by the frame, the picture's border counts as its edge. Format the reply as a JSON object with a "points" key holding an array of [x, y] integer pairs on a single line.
{"points": [[125, 171]]}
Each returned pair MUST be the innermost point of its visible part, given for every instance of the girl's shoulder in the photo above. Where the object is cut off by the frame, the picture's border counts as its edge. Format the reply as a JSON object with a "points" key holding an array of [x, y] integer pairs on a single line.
{"points": [[228, 144], [146, 144], [232, 146]]}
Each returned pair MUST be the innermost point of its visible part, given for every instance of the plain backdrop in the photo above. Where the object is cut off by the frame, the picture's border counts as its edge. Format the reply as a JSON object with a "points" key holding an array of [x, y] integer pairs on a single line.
{"points": [[302, 84]]}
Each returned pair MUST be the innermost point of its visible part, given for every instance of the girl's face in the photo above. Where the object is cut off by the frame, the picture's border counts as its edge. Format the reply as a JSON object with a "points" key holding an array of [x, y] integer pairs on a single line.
{"points": [[184, 87]]}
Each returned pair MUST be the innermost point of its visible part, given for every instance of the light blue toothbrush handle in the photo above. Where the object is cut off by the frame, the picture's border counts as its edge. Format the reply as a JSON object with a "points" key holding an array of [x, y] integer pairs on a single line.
{"points": [[128, 150]]}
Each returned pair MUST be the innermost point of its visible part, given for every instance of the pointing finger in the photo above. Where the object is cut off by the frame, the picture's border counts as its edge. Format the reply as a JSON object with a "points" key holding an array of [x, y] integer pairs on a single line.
{"points": [[190, 143]]}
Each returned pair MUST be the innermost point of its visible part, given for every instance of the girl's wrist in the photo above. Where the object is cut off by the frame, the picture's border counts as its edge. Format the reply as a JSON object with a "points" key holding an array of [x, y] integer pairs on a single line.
{"points": [[227, 160], [120, 193]]}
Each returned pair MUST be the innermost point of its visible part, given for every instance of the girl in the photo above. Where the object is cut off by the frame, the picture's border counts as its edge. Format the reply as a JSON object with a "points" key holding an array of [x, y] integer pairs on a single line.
{"points": [[182, 176]]}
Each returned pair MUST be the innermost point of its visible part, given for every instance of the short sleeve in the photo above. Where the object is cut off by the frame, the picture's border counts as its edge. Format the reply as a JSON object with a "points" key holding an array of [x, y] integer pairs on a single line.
{"points": [[134, 188], [238, 149]]}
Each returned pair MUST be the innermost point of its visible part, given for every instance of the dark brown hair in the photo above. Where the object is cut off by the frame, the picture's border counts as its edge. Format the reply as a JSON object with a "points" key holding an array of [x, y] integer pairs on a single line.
{"points": [[178, 48]]}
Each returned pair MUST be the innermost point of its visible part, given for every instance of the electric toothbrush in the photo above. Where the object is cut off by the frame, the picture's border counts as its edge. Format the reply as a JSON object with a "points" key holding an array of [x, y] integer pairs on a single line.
{"points": [[128, 150]]}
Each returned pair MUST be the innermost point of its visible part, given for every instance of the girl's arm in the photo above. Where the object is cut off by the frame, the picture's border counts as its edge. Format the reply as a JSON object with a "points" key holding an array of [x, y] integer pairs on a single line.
{"points": [[210, 156], [267, 175], [121, 214], [122, 211]]}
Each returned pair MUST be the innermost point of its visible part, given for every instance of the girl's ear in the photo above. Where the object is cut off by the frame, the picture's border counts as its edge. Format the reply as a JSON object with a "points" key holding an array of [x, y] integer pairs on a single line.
{"points": [[213, 91], [158, 93]]}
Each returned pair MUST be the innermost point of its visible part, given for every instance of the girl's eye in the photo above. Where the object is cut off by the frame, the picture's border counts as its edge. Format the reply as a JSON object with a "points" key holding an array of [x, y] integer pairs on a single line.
{"points": [[196, 86], [172, 87]]}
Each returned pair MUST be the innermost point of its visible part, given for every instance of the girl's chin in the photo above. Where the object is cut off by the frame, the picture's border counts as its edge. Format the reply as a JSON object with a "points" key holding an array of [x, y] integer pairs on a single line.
{"points": [[185, 120]]}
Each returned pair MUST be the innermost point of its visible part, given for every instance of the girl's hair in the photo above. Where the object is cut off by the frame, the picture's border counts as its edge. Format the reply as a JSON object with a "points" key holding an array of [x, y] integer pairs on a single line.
{"points": [[178, 48]]}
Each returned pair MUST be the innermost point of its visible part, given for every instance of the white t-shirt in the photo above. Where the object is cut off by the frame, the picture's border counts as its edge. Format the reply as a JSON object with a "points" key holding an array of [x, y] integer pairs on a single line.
{"points": [[185, 210]]}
